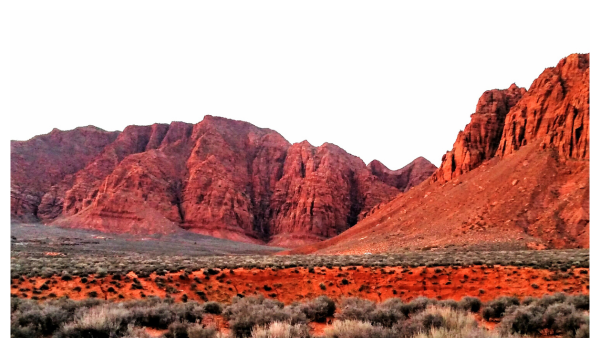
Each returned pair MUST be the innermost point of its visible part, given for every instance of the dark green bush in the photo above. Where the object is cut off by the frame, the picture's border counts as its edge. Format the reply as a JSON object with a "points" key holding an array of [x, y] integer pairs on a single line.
{"points": [[472, 304], [495, 308], [318, 309], [213, 308]]}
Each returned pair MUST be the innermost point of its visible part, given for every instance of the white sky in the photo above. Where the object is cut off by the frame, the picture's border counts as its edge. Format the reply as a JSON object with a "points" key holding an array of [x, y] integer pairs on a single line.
{"points": [[384, 85]]}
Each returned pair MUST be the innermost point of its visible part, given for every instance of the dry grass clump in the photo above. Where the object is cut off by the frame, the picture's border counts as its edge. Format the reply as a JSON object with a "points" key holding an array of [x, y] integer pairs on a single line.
{"points": [[244, 314], [281, 330]]}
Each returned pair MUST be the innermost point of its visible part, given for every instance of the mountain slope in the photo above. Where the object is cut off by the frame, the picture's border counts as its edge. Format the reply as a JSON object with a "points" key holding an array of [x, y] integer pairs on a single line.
{"points": [[534, 193]]}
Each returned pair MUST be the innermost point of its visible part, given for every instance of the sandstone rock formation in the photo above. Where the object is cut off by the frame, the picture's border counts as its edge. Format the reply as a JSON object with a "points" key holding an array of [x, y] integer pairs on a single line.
{"points": [[325, 188], [406, 177], [220, 177], [481, 137], [45, 160], [526, 187], [556, 109]]}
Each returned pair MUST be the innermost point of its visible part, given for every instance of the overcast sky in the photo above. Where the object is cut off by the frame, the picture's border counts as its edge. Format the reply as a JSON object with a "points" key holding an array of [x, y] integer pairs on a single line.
{"points": [[385, 85]]}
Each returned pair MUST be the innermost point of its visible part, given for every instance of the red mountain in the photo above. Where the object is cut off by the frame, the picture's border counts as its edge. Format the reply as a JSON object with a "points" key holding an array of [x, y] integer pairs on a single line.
{"points": [[406, 177], [220, 177], [516, 178]]}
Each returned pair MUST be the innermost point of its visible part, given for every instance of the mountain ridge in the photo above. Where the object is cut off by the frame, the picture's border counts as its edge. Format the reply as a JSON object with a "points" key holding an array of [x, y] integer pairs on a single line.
{"points": [[219, 177], [527, 189]]}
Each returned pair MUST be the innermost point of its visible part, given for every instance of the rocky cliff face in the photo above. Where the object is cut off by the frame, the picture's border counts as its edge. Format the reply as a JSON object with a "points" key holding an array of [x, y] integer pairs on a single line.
{"points": [[406, 177], [325, 188], [556, 109], [45, 160], [516, 178], [481, 137], [220, 177]]}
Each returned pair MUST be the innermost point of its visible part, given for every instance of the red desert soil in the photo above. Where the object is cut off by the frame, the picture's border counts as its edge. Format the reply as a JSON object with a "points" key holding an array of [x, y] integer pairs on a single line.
{"points": [[297, 284]]}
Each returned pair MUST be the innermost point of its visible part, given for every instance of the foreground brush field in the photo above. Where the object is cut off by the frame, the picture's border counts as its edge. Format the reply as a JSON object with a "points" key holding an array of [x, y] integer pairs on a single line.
{"points": [[66, 284], [351, 317]]}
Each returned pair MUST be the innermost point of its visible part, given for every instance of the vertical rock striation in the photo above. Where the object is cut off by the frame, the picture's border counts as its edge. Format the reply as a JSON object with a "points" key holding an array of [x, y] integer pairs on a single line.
{"points": [[481, 137], [555, 110]]}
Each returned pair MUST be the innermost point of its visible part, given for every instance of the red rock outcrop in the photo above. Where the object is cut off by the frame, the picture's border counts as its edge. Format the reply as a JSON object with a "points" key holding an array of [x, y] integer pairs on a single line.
{"points": [[406, 177], [481, 137], [43, 161], [556, 109], [221, 178], [534, 193], [325, 188]]}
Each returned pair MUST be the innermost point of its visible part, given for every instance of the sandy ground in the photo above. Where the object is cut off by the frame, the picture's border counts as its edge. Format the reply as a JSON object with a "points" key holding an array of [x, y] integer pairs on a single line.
{"points": [[297, 284]]}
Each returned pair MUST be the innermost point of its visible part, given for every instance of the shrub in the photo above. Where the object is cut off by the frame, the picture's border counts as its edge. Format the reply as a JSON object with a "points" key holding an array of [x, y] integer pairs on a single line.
{"points": [[177, 330], [496, 307], [555, 315], [197, 331], [156, 316], [101, 321], [548, 300], [355, 309], [550, 313], [522, 320], [450, 303], [191, 311], [431, 320], [387, 313], [417, 305], [439, 322], [47, 319], [581, 302], [583, 331], [213, 308], [17, 331], [136, 332], [572, 323], [318, 309], [472, 304], [281, 330], [355, 329], [246, 313]]}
